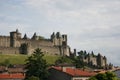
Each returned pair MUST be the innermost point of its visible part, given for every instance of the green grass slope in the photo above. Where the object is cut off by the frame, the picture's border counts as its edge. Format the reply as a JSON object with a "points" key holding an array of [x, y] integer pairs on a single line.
{"points": [[20, 59]]}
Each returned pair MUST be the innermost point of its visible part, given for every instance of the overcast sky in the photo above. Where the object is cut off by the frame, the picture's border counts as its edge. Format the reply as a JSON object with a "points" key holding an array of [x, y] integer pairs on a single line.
{"points": [[92, 25]]}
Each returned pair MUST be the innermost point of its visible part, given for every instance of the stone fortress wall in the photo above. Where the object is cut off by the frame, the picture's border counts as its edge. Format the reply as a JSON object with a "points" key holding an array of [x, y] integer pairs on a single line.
{"points": [[4, 41], [56, 45], [15, 44], [92, 59], [9, 50]]}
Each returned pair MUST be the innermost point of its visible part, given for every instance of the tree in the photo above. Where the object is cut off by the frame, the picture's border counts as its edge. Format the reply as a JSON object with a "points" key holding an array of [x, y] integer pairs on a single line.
{"points": [[101, 76], [78, 61], [105, 76], [36, 66], [111, 76], [93, 78]]}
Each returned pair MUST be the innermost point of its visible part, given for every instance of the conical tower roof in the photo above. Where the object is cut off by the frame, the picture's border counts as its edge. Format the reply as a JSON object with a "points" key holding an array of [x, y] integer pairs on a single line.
{"points": [[25, 37]]}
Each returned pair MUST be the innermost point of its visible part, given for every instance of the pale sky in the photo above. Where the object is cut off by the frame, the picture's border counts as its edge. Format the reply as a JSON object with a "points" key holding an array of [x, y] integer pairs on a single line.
{"points": [[92, 25]]}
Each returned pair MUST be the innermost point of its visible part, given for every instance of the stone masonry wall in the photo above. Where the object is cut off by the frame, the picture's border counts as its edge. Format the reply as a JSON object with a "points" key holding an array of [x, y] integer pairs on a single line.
{"points": [[45, 45], [4, 41], [9, 50], [48, 50], [12, 45], [35, 43]]}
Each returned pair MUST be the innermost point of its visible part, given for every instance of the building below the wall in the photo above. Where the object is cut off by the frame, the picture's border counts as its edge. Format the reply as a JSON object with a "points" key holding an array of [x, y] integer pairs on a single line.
{"points": [[69, 73]]}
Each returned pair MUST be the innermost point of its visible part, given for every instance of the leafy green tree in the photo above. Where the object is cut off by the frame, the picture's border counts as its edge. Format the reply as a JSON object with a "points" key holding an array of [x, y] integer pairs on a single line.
{"points": [[78, 61], [111, 76], [93, 78], [36, 65], [101, 76], [105, 76]]}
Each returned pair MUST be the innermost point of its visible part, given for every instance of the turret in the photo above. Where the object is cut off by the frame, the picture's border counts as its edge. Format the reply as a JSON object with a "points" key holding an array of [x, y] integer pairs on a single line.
{"points": [[61, 41], [58, 39], [64, 37], [53, 37], [75, 52], [102, 61], [105, 60], [18, 34], [35, 37], [25, 37], [58, 35], [64, 40], [14, 36], [99, 60]]}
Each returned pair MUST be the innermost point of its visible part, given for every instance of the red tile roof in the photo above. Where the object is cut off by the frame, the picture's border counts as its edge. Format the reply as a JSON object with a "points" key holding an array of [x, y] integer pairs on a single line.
{"points": [[76, 72], [12, 76]]}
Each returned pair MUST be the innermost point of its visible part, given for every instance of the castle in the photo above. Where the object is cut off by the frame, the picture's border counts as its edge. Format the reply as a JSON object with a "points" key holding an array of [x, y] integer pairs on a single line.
{"points": [[93, 60], [15, 44], [55, 45]]}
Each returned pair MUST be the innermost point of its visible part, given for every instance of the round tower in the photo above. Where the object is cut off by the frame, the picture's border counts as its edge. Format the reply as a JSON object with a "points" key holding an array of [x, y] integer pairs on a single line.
{"points": [[14, 36]]}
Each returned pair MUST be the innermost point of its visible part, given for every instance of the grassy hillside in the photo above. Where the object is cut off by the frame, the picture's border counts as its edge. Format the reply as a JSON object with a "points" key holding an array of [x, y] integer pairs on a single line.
{"points": [[20, 59], [51, 59]]}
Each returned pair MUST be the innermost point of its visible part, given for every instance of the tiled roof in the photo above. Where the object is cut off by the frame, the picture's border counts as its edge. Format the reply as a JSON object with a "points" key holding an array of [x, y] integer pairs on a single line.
{"points": [[12, 76], [76, 72]]}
